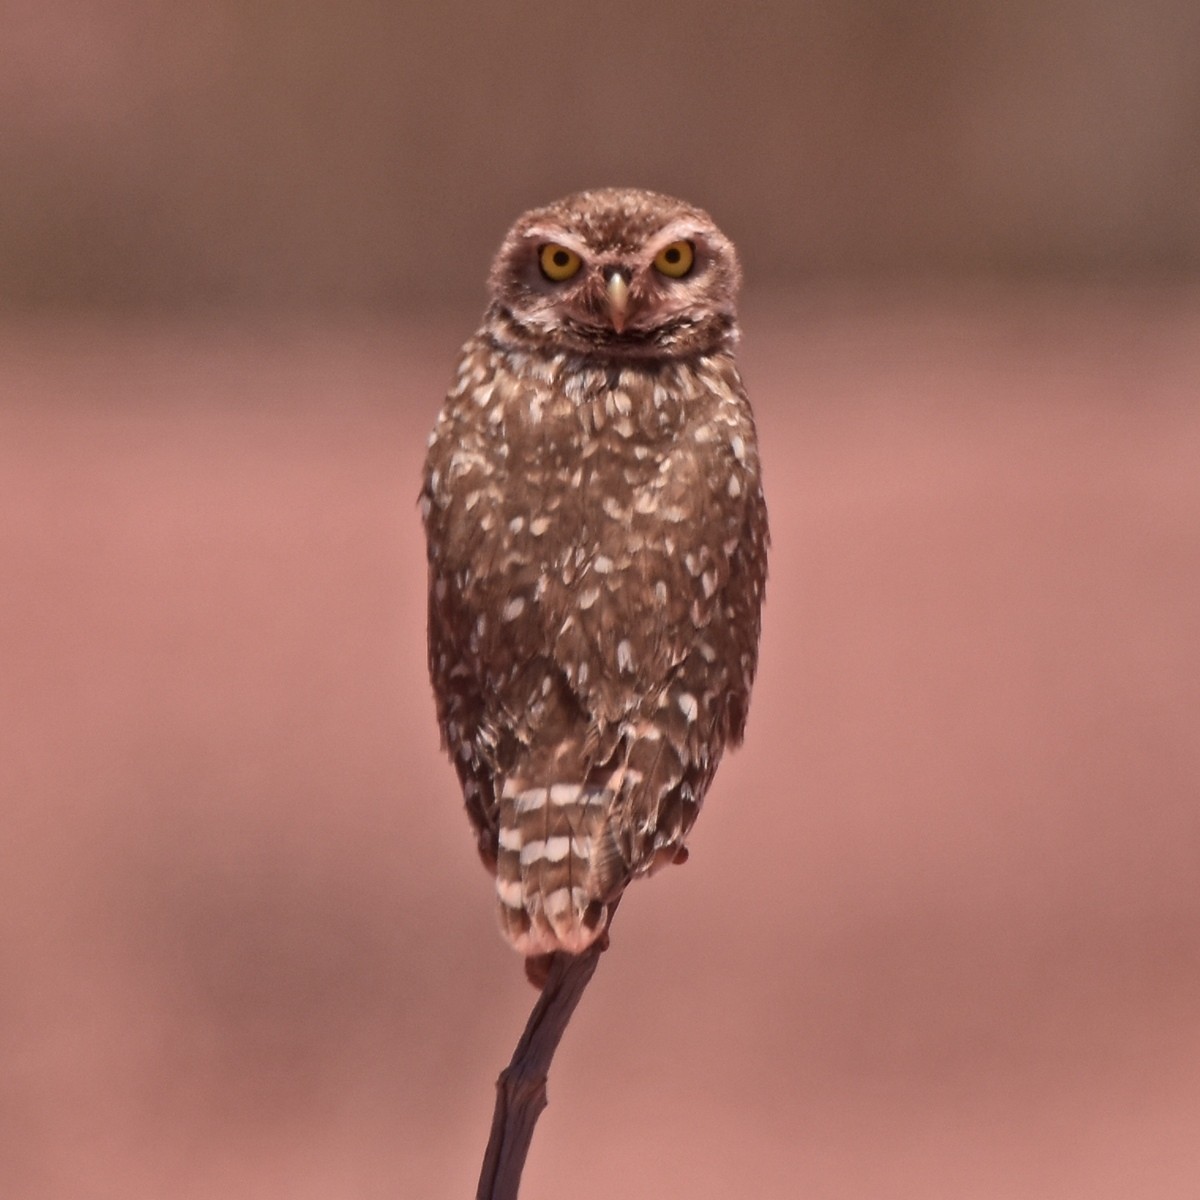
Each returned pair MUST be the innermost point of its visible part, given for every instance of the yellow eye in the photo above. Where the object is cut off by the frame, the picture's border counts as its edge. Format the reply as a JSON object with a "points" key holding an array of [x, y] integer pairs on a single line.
{"points": [[675, 260], [557, 262]]}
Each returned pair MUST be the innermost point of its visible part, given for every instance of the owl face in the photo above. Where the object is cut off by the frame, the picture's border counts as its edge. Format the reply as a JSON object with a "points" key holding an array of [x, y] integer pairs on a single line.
{"points": [[618, 272]]}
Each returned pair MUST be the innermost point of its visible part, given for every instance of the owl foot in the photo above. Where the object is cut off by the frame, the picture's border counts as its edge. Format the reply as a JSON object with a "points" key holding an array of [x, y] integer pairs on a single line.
{"points": [[537, 969]]}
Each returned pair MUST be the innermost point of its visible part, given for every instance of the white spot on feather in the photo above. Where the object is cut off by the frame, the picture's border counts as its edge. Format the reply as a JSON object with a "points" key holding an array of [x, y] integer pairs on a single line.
{"points": [[533, 799], [559, 905], [553, 849]]}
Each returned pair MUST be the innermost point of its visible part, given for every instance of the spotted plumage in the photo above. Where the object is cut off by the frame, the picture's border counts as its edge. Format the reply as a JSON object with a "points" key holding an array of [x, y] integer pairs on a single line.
{"points": [[597, 554]]}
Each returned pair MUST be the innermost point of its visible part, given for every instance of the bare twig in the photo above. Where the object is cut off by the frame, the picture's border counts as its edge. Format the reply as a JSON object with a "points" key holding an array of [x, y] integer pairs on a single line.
{"points": [[521, 1088]]}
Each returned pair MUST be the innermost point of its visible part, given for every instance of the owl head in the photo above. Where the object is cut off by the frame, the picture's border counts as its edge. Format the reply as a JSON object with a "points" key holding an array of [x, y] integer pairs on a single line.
{"points": [[618, 272]]}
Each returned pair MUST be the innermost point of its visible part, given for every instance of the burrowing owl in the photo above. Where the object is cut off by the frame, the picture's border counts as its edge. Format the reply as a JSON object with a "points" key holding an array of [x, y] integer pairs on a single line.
{"points": [[597, 554]]}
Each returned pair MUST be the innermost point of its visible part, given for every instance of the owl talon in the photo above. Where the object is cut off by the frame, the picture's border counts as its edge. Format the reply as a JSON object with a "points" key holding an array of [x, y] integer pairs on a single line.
{"points": [[667, 856]]}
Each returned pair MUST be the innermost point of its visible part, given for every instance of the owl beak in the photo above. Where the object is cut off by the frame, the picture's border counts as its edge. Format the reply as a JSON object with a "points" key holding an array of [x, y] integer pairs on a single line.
{"points": [[618, 300]]}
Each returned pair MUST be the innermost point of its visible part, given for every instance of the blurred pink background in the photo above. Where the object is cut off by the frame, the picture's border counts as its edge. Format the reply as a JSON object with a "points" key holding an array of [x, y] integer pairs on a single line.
{"points": [[246, 948]]}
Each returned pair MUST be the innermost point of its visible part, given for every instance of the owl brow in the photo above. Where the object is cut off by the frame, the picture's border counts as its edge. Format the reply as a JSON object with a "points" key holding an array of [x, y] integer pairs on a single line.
{"points": [[539, 235], [677, 231]]}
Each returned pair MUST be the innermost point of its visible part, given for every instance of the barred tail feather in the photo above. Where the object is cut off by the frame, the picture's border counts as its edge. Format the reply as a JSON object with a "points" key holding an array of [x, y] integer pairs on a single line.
{"points": [[567, 850], [552, 877]]}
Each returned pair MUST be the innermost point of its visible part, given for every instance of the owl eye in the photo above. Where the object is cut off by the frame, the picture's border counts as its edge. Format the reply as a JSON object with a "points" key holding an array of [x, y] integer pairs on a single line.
{"points": [[557, 262], [675, 260]]}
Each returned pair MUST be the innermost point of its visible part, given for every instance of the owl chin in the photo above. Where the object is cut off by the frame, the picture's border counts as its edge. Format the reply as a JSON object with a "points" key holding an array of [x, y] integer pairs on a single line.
{"points": [[681, 337]]}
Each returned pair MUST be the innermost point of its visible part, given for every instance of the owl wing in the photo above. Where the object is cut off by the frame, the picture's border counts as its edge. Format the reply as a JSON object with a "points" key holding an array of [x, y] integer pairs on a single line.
{"points": [[656, 624], [494, 516], [665, 585]]}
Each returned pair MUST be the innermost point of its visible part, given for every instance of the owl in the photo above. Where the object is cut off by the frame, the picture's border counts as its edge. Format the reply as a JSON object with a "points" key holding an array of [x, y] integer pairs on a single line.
{"points": [[597, 546]]}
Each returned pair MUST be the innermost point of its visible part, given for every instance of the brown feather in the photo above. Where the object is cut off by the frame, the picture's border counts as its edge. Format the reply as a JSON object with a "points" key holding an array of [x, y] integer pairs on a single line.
{"points": [[597, 549]]}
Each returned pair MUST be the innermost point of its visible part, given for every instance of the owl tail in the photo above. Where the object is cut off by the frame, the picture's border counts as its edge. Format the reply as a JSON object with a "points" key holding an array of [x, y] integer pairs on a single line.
{"points": [[567, 850], [557, 870]]}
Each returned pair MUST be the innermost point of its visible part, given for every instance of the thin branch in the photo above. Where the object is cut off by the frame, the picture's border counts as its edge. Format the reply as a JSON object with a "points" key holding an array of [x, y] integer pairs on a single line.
{"points": [[521, 1088]]}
